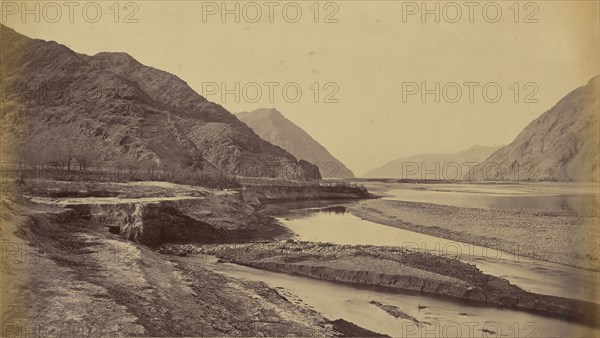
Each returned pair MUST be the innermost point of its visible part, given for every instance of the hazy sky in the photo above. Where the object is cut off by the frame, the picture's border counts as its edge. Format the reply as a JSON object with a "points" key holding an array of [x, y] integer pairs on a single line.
{"points": [[367, 60]]}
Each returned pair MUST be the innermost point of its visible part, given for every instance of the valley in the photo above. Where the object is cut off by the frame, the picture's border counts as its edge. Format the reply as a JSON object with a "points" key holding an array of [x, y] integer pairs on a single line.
{"points": [[131, 205]]}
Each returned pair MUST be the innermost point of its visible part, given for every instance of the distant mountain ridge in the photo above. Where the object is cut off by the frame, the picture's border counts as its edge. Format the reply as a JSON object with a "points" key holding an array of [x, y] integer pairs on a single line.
{"points": [[109, 105], [433, 166], [560, 145], [275, 128]]}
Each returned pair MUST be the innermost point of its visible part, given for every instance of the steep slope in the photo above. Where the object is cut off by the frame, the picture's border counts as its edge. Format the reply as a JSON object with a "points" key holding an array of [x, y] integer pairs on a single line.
{"points": [[273, 127], [110, 106], [560, 145], [433, 166]]}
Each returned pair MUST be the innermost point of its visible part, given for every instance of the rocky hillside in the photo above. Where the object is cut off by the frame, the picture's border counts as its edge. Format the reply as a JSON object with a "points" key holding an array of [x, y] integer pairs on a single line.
{"points": [[433, 166], [273, 127], [109, 107], [560, 145]]}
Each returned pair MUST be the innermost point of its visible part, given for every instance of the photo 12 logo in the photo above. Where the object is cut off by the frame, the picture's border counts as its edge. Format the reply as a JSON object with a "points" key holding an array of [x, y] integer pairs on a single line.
{"points": [[70, 328], [271, 92], [470, 12], [468, 171], [20, 253], [70, 11], [270, 11], [469, 92], [469, 329], [53, 93]]}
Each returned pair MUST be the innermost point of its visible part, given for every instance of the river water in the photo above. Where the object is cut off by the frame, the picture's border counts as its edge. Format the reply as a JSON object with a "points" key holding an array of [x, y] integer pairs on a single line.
{"points": [[448, 318], [330, 225]]}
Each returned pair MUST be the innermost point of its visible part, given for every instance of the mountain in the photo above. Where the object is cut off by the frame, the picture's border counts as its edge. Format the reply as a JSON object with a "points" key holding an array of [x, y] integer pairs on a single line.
{"points": [[560, 145], [110, 106], [432, 166], [273, 127]]}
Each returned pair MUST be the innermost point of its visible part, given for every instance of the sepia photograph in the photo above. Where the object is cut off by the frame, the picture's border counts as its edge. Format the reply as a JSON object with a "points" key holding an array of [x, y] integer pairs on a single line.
{"points": [[302, 168]]}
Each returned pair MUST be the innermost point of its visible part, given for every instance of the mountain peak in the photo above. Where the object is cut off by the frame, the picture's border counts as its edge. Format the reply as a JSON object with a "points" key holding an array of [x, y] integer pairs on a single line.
{"points": [[118, 57], [263, 113], [272, 126]]}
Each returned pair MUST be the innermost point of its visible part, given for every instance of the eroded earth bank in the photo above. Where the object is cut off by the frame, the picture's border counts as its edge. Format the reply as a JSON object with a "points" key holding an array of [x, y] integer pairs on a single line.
{"points": [[82, 260]]}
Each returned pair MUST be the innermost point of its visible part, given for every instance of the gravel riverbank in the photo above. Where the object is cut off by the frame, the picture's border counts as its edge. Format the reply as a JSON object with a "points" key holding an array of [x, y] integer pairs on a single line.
{"points": [[559, 237]]}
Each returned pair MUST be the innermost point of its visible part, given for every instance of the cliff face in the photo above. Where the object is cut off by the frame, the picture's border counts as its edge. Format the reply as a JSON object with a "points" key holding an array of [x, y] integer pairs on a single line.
{"points": [[273, 127], [110, 106], [560, 145], [154, 223]]}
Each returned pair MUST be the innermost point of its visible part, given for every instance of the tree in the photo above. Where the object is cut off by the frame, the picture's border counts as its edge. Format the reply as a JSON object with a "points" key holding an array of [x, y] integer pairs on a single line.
{"points": [[84, 159], [63, 154], [150, 166]]}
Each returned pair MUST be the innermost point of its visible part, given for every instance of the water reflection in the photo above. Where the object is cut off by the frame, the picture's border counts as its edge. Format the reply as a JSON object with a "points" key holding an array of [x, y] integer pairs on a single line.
{"points": [[304, 209], [338, 210]]}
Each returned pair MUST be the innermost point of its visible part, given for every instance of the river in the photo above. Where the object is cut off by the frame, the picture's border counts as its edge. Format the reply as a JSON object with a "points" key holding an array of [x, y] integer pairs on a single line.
{"points": [[447, 318], [334, 226], [321, 222], [580, 198]]}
